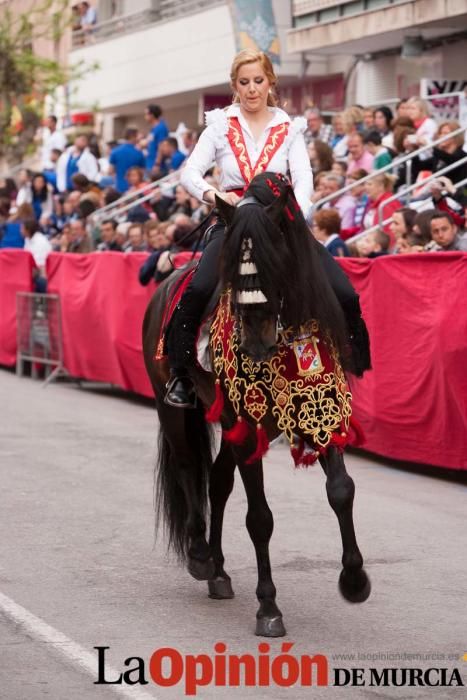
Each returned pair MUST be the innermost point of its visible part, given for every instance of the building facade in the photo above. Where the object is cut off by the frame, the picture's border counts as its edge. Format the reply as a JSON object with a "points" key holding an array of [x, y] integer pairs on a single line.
{"points": [[391, 47]]}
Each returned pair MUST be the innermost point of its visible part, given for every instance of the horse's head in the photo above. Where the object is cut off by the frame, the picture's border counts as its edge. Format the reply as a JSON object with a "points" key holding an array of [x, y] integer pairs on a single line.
{"points": [[255, 266]]}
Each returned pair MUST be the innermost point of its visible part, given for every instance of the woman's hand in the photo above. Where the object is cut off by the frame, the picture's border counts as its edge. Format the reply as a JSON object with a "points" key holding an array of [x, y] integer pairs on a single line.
{"points": [[229, 197]]}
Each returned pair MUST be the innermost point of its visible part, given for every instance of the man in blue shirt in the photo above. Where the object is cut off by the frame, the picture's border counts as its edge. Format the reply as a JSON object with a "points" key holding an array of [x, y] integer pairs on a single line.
{"points": [[124, 157], [169, 157], [158, 133]]}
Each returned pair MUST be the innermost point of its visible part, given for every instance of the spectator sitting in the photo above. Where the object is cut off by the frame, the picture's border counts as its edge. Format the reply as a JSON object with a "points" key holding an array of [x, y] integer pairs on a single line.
{"points": [[136, 242], [402, 108], [317, 130], [108, 236], [375, 244], [408, 243], [383, 120], [446, 198], [124, 157], [445, 233], [157, 243], [79, 241], [76, 159], [448, 152], [12, 237], [422, 227], [379, 189], [50, 174], [24, 195], [319, 188], [426, 127], [381, 155], [339, 140], [59, 218], [188, 142], [321, 156], [158, 132], [326, 229], [368, 119], [179, 253], [362, 201], [339, 167], [402, 223], [169, 158], [39, 247], [345, 203], [42, 199], [359, 157]]}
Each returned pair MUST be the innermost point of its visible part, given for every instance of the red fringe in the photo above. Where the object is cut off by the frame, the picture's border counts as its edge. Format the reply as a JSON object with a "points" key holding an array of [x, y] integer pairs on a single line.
{"points": [[262, 445], [213, 414], [359, 436], [339, 440], [308, 458], [238, 434], [289, 214], [297, 453]]}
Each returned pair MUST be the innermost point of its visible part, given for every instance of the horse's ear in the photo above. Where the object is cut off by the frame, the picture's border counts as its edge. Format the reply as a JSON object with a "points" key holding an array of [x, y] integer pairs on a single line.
{"points": [[276, 208], [226, 210]]}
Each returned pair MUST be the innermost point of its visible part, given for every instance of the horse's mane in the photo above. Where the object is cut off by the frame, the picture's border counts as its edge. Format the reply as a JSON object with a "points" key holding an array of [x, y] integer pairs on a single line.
{"points": [[287, 258]]}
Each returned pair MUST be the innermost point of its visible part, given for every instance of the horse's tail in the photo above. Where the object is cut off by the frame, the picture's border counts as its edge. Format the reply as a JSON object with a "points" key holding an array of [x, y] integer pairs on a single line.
{"points": [[194, 453]]}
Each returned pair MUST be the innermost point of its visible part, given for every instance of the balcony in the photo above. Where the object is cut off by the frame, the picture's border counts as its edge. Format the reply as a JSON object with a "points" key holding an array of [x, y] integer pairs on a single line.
{"points": [[158, 12]]}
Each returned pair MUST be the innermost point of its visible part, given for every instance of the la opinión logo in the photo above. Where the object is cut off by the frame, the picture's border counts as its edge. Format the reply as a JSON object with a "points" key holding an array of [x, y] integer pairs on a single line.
{"points": [[168, 667]]}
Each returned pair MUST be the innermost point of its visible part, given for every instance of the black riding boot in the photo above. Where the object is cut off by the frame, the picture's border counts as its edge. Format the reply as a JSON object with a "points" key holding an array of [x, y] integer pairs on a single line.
{"points": [[181, 342]]}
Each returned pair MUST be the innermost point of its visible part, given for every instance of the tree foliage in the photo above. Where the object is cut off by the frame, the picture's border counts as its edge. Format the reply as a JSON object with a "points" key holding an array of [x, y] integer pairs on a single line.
{"points": [[26, 78]]}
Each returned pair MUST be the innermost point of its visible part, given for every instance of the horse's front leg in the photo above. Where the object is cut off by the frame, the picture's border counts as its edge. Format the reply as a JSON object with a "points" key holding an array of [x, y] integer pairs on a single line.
{"points": [[354, 583], [221, 483], [260, 524]]}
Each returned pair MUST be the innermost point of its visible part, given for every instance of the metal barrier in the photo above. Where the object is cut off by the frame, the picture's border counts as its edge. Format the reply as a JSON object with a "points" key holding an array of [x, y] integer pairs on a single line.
{"points": [[396, 162], [39, 334]]}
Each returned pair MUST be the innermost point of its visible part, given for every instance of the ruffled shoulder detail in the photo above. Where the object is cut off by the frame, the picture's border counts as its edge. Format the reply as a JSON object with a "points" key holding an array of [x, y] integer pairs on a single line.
{"points": [[297, 126], [217, 120]]}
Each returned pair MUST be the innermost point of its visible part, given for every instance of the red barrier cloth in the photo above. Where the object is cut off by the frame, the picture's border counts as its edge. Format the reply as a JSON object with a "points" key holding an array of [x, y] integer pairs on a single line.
{"points": [[103, 307], [413, 404], [15, 276]]}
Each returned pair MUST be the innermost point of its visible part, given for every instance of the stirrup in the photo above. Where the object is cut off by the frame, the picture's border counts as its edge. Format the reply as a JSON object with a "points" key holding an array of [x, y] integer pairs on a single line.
{"points": [[180, 392]]}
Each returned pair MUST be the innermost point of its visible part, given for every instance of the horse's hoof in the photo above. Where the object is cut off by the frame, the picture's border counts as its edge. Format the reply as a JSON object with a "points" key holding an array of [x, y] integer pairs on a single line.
{"points": [[270, 627], [355, 586], [220, 588], [201, 570]]}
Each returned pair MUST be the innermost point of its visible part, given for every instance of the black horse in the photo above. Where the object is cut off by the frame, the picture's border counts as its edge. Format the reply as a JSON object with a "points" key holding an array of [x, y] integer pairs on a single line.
{"points": [[289, 275]]}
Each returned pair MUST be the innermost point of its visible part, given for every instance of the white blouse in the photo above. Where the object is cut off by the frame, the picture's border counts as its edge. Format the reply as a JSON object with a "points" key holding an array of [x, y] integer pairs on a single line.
{"points": [[213, 145]]}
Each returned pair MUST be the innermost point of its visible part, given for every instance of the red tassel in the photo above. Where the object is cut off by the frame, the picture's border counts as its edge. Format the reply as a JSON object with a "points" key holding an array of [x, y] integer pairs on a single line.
{"points": [[262, 445], [359, 436], [339, 440], [297, 452], [238, 434], [309, 458], [213, 414]]}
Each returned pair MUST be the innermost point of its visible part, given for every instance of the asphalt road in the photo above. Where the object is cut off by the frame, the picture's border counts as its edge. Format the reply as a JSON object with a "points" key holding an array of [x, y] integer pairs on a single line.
{"points": [[79, 567]]}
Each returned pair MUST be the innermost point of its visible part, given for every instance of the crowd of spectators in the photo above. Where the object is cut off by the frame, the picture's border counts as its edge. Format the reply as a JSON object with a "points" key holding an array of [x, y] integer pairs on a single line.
{"points": [[377, 216], [53, 209]]}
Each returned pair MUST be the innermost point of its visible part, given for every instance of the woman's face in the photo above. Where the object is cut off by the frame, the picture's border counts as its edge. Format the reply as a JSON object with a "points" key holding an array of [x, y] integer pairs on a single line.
{"points": [[374, 189], [338, 124], [450, 145], [358, 189], [380, 121], [403, 247], [414, 111], [397, 224], [134, 178], [252, 87], [38, 183]]}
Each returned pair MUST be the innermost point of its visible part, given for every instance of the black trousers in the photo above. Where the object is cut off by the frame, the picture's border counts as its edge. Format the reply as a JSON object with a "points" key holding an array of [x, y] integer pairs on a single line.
{"points": [[184, 325]]}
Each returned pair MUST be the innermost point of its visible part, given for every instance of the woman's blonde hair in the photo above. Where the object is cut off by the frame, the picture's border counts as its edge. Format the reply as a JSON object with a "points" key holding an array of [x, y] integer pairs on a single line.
{"points": [[421, 104], [251, 56], [386, 180]]}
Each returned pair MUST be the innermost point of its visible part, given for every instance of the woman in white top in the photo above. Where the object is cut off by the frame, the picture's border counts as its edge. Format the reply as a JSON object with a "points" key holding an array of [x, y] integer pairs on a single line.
{"points": [[251, 136]]}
